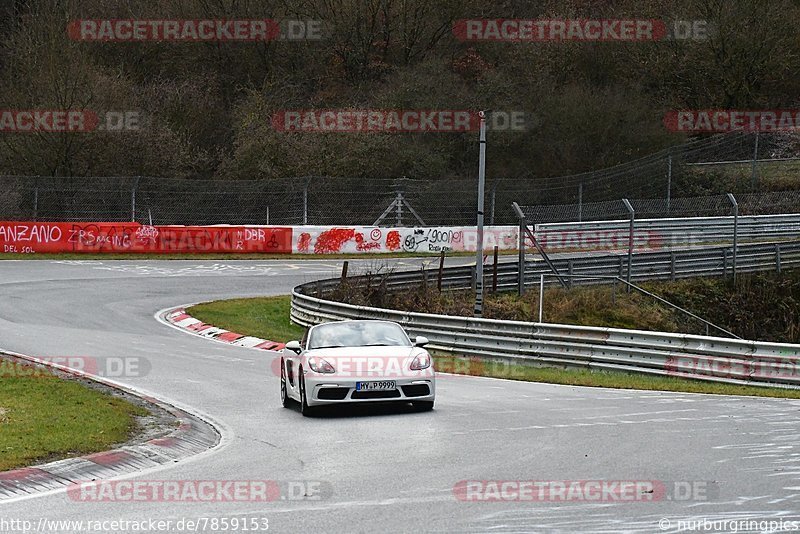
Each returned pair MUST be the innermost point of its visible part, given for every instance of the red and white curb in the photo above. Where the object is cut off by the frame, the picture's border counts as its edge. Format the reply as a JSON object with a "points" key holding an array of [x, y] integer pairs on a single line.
{"points": [[193, 437], [178, 318]]}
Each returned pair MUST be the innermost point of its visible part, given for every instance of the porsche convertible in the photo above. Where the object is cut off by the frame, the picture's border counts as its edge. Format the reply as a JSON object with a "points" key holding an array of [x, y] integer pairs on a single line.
{"points": [[357, 362]]}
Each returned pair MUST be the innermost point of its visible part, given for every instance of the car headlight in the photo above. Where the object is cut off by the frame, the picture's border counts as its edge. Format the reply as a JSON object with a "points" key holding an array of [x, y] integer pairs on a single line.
{"points": [[319, 365], [422, 361]]}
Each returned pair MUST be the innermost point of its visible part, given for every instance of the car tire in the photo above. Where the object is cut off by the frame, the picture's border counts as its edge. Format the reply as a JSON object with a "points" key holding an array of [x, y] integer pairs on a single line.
{"points": [[285, 400], [305, 409], [423, 406]]}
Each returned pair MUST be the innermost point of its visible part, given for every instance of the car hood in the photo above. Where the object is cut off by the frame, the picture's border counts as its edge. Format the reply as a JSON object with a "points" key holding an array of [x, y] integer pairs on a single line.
{"points": [[379, 351]]}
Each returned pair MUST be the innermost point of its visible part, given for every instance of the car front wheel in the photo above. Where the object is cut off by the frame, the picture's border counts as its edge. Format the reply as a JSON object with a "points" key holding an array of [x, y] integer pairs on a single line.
{"points": [[284, 393], [423, 406], [305, 409]]}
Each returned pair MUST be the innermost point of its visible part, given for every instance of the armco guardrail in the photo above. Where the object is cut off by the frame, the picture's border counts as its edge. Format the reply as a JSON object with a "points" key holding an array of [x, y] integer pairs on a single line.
{"points": [[683, 355], [713, 261], [667, 233]]}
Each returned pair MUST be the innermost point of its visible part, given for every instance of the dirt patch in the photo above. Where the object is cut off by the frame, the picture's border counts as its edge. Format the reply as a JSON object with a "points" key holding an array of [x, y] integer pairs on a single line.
{"points": [[3, 416]]}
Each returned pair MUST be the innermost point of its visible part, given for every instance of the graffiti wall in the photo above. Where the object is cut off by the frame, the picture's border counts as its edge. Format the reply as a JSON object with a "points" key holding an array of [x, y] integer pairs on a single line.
{"points": [[28, 238], [355, 239]]}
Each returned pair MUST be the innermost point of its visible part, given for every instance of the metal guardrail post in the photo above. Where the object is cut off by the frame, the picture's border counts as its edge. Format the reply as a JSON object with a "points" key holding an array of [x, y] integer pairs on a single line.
{"points": [[541, 296], [630, 241], [778, 259], [735, 230]]}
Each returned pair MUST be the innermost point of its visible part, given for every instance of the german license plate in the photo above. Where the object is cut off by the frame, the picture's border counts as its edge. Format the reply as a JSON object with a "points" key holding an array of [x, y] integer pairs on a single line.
{"points": [[381, 385]]}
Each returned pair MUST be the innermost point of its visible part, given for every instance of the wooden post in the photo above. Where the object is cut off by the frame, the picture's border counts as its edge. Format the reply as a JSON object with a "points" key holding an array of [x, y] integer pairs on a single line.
{"points": [[672, 265], [441, 272], [344, 271]]}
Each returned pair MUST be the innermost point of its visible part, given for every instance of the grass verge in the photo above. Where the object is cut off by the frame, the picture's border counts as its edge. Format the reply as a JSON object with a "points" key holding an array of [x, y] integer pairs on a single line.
{"points": [[465, 365], [268, 317], [44, 417]]}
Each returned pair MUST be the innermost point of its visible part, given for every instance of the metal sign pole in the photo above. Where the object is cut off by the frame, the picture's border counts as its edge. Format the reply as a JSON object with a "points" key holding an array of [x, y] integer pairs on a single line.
{"points": [[479, 244]]}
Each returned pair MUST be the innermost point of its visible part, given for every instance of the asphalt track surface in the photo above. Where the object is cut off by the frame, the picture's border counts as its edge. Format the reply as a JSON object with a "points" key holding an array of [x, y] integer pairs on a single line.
{"points": [[392, 470]]}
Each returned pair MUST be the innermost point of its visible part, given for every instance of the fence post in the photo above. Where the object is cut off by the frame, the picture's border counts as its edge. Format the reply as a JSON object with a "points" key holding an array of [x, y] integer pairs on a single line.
{"points": [[399, 205], [669, 180], [672, 265], [724, 262], [630, 242], [735, 230], [521, 258], [36, 200], [754, 168], [778, 258], [494, 271], [474, 278], [493, 197], [133, 198], [570, 267], [305, 200], [441, 272], [345, 265]]}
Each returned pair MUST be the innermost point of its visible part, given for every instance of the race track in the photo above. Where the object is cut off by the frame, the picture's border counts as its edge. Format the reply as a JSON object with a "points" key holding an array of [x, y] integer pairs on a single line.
{"points": [[392, 470]]}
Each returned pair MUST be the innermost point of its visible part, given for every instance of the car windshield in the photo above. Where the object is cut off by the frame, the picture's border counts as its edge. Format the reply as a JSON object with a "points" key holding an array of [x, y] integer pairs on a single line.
{"points": [[358, 334]]}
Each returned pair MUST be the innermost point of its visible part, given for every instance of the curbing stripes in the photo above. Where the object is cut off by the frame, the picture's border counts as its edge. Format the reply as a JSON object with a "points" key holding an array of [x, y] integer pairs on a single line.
{"points": [[180, 319], [192, 436]]}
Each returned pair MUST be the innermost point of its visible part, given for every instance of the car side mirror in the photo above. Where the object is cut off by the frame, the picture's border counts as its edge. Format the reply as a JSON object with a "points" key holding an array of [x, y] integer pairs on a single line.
{"points": [[421, 341], [294, 346]]}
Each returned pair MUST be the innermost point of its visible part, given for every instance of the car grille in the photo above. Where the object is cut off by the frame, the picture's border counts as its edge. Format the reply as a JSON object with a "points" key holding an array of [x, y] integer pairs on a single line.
{"points": [[390, 394], [416, 390], [332, 393]]}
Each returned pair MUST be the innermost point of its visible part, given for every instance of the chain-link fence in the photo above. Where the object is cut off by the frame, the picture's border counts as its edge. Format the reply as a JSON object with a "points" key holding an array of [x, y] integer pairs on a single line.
{"points": [[709, 167], [652, 208]]}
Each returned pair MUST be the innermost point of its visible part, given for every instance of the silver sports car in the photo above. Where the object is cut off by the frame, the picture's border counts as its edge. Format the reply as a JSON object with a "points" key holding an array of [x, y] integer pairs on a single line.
{"points": [[357, 361]]}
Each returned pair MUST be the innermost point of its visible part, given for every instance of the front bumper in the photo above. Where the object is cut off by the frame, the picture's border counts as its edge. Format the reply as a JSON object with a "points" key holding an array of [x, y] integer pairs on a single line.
{"points": [[321, 390]]}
